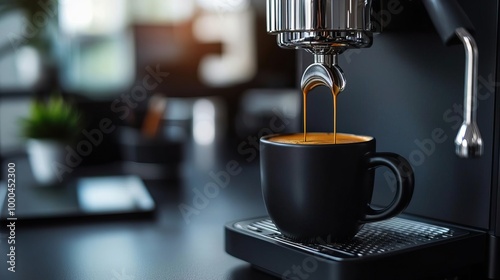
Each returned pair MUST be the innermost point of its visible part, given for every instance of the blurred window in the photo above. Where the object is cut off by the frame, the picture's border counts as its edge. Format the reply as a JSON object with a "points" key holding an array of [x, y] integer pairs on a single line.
{"points": [[231, 24], [211, 39], [97, 53]]}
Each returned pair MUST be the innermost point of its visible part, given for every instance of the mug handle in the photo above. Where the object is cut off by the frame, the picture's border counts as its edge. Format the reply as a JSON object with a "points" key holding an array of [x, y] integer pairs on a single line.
{"points": [[405, 183]]}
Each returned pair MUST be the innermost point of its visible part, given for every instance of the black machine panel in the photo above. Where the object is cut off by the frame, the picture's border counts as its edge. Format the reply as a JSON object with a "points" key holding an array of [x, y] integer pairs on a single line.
{"points": [[407, 91]]}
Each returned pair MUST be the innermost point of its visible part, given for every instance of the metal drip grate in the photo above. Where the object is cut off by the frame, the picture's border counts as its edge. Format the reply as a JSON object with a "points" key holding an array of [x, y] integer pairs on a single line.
{"points": [[374, 238]]}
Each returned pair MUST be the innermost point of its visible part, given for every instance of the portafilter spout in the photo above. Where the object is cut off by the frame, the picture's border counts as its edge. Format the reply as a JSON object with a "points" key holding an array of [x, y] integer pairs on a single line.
{"points": [[323, 72]]}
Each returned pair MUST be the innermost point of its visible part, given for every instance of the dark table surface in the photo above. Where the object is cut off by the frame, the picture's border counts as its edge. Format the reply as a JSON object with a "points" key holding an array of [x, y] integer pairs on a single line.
{"points": [[165, 246]]}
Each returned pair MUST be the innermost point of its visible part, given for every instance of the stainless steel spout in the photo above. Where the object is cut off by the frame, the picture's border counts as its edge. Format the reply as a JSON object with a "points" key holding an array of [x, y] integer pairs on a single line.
{"points": [[323, 72]]}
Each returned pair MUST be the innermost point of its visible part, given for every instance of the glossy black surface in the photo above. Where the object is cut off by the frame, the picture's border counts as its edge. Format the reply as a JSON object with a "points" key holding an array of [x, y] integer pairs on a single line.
{"points": [[168, 245]]}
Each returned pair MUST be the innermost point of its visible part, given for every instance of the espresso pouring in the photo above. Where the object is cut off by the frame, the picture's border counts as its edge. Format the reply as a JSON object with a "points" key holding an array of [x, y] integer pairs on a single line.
{"points": [[325, 138]]}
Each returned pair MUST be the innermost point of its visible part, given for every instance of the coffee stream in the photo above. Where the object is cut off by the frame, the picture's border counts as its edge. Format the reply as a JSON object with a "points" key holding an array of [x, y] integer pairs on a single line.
{"points": [[335, 92]]}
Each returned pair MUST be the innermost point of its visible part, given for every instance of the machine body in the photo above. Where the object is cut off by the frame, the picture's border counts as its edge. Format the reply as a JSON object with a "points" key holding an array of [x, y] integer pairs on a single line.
{"points": [[403, 86]]}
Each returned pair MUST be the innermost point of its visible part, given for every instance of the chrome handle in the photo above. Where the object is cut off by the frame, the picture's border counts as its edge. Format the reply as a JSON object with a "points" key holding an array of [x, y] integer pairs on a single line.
{"points": [[468, 141]]}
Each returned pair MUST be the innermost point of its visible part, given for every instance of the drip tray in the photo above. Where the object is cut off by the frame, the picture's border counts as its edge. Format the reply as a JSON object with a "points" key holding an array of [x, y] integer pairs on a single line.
{"points": [[399, 248], [375, 238]]}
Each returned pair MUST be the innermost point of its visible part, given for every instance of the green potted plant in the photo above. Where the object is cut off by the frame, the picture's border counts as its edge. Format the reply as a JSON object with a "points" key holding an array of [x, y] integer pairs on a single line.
{"points": [[51, 125]]}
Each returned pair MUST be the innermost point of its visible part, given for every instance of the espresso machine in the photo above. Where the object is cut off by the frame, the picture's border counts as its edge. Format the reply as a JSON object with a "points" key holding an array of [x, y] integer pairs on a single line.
{"points": [[398, 67]]}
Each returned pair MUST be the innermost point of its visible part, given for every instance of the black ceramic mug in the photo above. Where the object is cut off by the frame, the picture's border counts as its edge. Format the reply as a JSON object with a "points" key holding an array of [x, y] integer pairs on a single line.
{"points": [[321, 191]]}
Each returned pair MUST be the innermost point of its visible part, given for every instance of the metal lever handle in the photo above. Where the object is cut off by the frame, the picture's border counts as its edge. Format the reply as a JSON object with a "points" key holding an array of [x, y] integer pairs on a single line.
{"points": [[468, 141], [451, 22]]}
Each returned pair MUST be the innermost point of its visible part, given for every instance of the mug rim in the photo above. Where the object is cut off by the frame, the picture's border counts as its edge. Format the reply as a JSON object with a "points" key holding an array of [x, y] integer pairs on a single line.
{"points": [[265, 139]]}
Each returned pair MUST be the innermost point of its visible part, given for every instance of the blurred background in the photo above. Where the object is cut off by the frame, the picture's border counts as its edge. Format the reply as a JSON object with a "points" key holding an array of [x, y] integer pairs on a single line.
{"points": [[156, 72], [126, 112]]}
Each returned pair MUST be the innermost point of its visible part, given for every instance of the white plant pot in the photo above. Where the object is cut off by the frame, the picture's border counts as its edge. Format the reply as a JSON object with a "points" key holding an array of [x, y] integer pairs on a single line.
{"points": [[43, 155]]}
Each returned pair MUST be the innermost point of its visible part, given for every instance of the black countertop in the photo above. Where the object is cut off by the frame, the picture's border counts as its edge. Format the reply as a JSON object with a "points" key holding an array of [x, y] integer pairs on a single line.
{"points": [[168, 245], [182, 239]]}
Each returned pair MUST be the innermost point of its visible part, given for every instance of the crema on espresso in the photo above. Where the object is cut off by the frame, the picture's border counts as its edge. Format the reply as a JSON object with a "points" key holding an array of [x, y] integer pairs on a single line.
{"points": [[319, 138]]}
